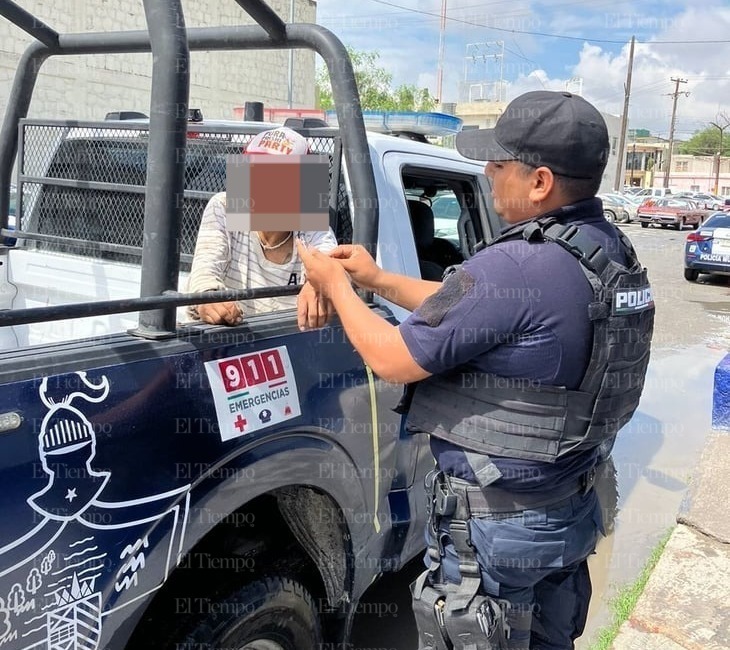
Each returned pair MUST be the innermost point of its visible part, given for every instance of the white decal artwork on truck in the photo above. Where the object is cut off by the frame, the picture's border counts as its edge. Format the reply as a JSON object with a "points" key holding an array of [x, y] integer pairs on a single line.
{"points": [[253, 391], [59, 567]]}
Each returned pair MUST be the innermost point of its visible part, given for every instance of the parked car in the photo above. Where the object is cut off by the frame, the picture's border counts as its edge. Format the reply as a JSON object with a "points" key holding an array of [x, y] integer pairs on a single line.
{"points": [[708, 249], [672, 212], [657, 192], [710, 201], [613, 209], [446, 212], [611, 199]]}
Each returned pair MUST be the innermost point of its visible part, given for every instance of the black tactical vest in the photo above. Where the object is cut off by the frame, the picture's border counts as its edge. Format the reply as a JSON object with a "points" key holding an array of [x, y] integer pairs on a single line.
{"points": [[520, 418]]}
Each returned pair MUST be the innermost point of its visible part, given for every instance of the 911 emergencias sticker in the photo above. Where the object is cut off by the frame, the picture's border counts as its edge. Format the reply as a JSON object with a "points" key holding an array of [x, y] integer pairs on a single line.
{"points": [[253, 391]]}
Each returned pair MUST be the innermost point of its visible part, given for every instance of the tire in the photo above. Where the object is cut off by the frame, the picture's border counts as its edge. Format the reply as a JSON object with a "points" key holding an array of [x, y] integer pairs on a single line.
{"points": [[679, 225], [609, 215], [691, 275], [273, 613], [644, 224]]}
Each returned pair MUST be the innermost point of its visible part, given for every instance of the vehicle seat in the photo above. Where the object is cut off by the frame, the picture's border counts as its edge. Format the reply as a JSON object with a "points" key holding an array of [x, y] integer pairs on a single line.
{"points": [[434, 254]]}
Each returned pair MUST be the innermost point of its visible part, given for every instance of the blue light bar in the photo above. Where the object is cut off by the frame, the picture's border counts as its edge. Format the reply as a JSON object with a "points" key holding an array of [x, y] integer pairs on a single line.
{"points": [[411, 121]]}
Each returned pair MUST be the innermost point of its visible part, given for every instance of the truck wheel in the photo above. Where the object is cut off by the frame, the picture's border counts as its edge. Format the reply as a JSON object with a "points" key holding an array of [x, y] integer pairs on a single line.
{"points": [[644, 224], [691, 275], [268, 614]]}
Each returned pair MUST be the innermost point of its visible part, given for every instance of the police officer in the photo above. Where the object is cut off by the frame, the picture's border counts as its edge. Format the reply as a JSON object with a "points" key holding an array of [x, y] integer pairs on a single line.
{"points": [[528, 359]]}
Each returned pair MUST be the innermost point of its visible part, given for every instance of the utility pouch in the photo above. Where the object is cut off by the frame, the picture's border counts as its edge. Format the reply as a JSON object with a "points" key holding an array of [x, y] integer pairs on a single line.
{"points": [[481, 626], [429, 611]]}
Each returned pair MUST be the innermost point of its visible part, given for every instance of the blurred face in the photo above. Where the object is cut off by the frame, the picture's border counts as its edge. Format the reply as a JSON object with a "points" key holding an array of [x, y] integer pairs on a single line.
{"points": [[512, 183]]}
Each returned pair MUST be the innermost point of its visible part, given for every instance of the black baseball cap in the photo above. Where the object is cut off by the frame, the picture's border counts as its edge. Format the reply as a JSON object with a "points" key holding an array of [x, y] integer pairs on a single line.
{"points": [[559, 130]]}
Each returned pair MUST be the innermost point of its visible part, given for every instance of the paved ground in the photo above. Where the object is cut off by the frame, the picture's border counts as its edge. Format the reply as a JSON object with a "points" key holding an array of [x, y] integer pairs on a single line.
{"points": [[686, 602]]}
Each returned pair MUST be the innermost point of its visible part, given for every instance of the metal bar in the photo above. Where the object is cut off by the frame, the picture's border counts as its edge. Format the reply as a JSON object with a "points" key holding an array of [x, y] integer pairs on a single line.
{"points": [[102, 186], [142, 128], [170, 300], [165, 168], [81, 185], [266, 17], [29, 23], [75, 244], [354, 138], [18, 103]]}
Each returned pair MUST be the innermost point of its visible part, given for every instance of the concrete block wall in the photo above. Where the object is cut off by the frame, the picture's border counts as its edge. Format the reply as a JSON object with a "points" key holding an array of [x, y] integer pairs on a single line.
{"points": [[88, 87], [721, 396]]}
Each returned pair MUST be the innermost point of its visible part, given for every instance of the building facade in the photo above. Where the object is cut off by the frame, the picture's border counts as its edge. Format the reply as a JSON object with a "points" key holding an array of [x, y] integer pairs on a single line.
{"points": [[88, 87], [646, 158]]}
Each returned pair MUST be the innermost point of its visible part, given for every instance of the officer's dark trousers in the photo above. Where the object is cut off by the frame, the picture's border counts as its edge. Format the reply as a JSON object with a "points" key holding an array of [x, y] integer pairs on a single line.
{"points": [[536, 559]]}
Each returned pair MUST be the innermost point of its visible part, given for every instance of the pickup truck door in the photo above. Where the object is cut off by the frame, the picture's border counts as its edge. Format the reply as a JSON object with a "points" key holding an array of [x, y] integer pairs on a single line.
{"points": [[396, 247]]}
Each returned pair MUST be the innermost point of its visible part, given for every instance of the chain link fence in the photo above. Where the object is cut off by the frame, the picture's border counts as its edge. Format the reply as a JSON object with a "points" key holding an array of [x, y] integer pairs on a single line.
{"points": [[82, 187]]}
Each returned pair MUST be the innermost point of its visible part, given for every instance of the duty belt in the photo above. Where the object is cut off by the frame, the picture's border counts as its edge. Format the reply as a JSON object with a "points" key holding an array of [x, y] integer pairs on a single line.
{"points": [[460, 500], [454, 497]]}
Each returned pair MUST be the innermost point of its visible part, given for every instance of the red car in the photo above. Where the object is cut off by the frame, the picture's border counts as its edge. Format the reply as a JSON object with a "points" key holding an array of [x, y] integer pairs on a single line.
{"points": [[668, 211]]}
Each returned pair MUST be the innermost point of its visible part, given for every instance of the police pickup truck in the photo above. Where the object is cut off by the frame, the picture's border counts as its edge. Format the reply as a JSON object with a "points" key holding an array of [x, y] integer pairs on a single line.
{"points": [[176, 485]]}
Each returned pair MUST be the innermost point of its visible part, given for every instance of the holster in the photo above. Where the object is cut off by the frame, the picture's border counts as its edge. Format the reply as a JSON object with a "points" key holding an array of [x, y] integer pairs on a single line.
{"points": [[480, 626]]}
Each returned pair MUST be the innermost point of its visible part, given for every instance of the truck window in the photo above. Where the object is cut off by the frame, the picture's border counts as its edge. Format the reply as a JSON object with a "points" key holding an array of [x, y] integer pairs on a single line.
{"points": [[444, 219]]}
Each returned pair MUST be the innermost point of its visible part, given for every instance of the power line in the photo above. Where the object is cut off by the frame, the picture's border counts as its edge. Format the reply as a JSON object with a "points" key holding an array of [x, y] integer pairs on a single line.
{"points": [[545, 34]]}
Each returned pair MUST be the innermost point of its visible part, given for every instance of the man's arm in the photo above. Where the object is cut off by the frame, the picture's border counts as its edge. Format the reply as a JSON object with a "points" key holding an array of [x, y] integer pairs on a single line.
{"points": [[212, 249], [378, 342], [402, 290], [210, 263]]}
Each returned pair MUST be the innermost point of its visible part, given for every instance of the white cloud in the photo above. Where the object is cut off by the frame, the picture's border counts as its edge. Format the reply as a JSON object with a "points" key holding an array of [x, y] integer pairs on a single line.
{"points": [[408, 47]]}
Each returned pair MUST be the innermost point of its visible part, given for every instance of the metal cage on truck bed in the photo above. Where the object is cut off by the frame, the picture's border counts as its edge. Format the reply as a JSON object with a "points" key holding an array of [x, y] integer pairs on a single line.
{"points": [[82, 184], [164, 221]]}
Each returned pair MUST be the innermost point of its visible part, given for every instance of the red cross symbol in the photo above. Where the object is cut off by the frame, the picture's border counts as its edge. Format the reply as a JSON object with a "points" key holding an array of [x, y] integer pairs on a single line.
{"points": [[287, 410], [240, 423]]}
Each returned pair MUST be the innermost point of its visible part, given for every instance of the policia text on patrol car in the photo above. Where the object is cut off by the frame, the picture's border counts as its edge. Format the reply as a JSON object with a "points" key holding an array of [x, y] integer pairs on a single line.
{"points": [[514, 515]]}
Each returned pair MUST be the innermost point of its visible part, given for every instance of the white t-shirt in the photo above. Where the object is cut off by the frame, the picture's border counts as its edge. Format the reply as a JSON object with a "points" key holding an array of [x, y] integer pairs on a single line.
{"points": [[235, 260]]}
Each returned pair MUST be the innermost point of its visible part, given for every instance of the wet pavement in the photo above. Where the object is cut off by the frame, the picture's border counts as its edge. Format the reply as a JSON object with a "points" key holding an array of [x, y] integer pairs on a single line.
{"points": [[654, 455]]}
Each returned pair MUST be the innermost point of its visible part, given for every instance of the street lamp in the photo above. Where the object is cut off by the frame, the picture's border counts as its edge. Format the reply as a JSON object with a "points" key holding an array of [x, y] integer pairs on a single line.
{"points": [[719, 154]]}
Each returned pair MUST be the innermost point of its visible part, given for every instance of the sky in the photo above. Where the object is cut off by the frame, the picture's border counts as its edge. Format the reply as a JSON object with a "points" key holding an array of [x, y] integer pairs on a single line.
{"points": [[553, 45]]}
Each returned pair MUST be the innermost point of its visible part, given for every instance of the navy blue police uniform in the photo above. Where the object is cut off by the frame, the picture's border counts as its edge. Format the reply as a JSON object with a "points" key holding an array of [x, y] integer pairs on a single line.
{"points": [[518, 313]]}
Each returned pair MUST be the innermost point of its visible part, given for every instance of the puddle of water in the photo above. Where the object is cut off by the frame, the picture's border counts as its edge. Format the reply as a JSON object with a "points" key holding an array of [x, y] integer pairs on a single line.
{"points": [[654, 457]]}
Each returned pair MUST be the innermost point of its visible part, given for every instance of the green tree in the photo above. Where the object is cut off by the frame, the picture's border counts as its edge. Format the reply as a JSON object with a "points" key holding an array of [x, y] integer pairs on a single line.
{"points": [[374, 83], [707, 142]]}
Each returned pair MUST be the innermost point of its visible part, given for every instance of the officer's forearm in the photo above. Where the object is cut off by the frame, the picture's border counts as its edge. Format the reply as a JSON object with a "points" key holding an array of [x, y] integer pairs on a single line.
{"points": [[404, 291], [378, 342]]}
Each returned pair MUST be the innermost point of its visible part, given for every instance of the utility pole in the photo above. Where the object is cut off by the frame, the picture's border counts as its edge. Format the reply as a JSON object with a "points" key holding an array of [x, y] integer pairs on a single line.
{"points": [[440, 76], [675, 95], [619, 182], [719, 149], [290, 91]]}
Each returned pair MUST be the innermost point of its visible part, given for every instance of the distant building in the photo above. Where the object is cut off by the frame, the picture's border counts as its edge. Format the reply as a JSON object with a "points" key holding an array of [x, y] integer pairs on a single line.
{"points": [[88, 87], [646, 156]]}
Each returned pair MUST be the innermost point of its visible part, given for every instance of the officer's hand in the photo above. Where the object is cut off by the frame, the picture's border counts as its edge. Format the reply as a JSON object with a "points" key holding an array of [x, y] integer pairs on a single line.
{"points": [[313, 309], [326, 275], [356, 260], [220, 313]]}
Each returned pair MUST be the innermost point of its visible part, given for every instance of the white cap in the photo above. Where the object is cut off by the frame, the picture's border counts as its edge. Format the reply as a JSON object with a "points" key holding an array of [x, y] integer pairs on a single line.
{"points": [[280, 141]]}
